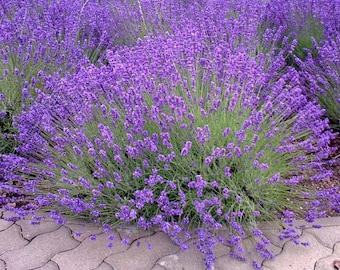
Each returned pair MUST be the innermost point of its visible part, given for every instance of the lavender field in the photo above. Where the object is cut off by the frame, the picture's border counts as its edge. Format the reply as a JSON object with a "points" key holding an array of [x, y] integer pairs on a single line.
{"points": [[189, 116]]}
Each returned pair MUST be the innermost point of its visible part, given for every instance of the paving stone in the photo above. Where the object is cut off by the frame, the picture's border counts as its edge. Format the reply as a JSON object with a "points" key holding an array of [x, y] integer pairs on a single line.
{"points": [[7, 214], [190, 259], [49, 266], [324, 222], [272, 230], [86, 229], [30, 231], [158, 267], [183, 260], [299, 257], [270, 225], [226, 262], [40, 250], [226, 232], [141, 258], [5, 224], [327, 262], [89, 254], [133, 233], [221, 250], [273, 237], [327, 236], [2, 265], [11, 239], [104, 266], [249, 245]]}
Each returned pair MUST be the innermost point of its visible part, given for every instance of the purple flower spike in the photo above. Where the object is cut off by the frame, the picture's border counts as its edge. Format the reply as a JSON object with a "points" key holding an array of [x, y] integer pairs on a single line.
{"points": [[184, 151], [227, 172]]}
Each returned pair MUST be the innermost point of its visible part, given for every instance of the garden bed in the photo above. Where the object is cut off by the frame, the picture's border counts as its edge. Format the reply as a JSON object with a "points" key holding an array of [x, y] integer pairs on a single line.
{"points": [[182, 115]]}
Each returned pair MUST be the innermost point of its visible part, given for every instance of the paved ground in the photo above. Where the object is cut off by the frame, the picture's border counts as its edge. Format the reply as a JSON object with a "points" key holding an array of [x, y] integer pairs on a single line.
{"points": [[50, 246]]}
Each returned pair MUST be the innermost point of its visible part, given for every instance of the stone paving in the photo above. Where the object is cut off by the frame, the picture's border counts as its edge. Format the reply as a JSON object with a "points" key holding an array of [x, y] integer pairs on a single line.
{"points": [[50, 246]]}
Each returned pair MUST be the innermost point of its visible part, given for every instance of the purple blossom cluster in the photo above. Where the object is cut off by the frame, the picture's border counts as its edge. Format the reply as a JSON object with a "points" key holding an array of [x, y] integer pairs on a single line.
{"points": [[313, 27], [295, 16], [321, 72], [193, 127]]}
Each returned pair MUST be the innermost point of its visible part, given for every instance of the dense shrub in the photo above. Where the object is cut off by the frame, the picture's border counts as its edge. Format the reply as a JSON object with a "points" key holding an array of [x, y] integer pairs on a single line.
{"points": [[33, 42], [174, 141], [40, 38]]}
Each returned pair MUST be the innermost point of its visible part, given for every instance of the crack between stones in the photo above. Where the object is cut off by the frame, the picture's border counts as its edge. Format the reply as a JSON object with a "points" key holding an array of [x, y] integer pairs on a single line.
{"points": [[333, 251], [51, 258], [101, 264], [153, 233], [103, 261], [30, 240], [175, 253], [156, 264], [282, 249], [317, 239], [8, 226], [134, 241], [70, 234], [4, 263], [45, 264]]}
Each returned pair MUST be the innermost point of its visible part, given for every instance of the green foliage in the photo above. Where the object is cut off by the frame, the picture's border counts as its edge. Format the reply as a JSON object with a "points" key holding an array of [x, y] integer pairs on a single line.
{"points": [[301, 34], [11, 104], [329, 99], [7, 131], [247, 182], [311, 29]]}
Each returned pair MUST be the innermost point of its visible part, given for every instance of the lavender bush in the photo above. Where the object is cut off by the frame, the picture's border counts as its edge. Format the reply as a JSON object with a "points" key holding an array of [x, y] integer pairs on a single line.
{"points": [[301, 22], [190, 131], [321, 76], [173, 143], [31, 45], [40, 38], [312, 29], [320, 70]]}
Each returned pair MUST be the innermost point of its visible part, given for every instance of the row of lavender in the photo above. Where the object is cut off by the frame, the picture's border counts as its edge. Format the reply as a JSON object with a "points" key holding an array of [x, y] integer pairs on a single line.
{"points": [[189, 116]]}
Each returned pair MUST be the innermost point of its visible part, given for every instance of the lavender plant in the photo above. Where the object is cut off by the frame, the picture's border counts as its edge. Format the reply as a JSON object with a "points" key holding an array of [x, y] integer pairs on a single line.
{"points": [[187, 138], [321, 75], [311, 27], [40, 38], [300, 22], [26, 49], [138, 19], [189, 132]]}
